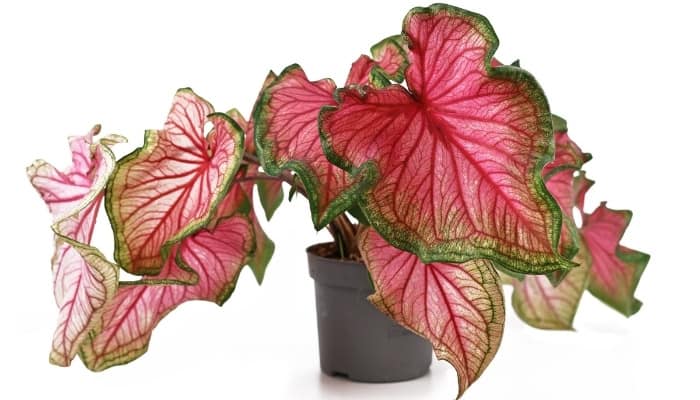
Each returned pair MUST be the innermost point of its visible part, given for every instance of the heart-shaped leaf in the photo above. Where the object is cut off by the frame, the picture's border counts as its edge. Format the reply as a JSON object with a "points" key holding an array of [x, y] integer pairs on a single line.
{"points": [[459, 155], [615, 269], [287, 138], [457, 307], [169, 188], [127, 321], [74, 199]]}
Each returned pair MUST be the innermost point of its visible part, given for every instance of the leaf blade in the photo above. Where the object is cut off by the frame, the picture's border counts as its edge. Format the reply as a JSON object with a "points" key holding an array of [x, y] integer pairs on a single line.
{"points": [[541, 305], [421, 146], [73, 198], [124, 329], [169, 188], [616, 270], [271, 196], [458, 308], [286, 135]]}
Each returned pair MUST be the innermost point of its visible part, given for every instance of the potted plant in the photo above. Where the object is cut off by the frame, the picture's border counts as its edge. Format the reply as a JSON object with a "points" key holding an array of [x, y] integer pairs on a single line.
{"points": [[452, 179]]}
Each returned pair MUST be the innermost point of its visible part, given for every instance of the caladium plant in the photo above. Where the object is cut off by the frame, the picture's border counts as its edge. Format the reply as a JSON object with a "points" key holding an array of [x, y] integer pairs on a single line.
{"points": [[459, 179]]}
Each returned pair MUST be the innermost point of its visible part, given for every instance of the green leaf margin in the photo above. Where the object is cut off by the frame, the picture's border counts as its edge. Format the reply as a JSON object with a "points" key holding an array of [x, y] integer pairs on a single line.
{"points": [[86, 354], [397, 42], [363, 177], [447, 252], [633, 258], [121, 252]]}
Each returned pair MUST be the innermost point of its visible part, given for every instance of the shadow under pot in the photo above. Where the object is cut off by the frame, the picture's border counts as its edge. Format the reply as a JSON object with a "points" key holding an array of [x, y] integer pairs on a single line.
{"points": [[355, 340]]}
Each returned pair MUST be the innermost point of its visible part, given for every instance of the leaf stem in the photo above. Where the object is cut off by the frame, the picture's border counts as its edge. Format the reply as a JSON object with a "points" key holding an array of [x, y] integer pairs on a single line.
{"points": [[341, 228]]}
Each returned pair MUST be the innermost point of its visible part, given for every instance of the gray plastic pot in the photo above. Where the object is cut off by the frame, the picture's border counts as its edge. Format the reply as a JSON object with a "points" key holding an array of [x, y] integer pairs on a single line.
{"points": [[355, 340]]}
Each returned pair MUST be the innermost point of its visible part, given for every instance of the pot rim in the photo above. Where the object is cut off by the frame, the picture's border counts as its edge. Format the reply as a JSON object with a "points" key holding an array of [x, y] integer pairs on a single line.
{"points": [[310, 252], [337, 272]]}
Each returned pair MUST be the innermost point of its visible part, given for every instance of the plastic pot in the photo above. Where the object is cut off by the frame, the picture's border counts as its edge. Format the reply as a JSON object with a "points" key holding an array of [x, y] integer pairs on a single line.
{"points": [[355, 340]]}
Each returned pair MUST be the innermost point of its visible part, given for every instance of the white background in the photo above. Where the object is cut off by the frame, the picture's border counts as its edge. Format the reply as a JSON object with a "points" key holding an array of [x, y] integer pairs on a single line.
{"points": [[624, 76]]}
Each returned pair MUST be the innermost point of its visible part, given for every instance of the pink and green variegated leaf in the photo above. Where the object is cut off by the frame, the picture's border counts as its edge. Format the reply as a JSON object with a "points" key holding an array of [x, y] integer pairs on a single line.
{"points": [[168, 189], [541, 305], [70, 190], [287, 138], [388, 57], [615, 270], [457, 307], [360, 71], [459, 156], [567, 153], [581, 186], [127, 321], [561, 186], [74, 198], [559, 178], [84, 283]]}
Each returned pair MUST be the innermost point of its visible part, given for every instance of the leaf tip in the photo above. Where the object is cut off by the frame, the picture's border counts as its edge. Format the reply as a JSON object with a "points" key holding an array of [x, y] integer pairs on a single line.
{"points": [[95, 130], [59, 360]]}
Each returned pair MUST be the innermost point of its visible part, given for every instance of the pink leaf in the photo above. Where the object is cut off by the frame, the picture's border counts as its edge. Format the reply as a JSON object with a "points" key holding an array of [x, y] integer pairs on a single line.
{"points": [[581, 186], [560, 185], [64, 192], [360, 71], [388, 56], [124, 329], [615, 270], [568, 155], [559, 178], [540, 304], [74, 199], [459, 155], [169, 188], [457, 307], [286, 131]]}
